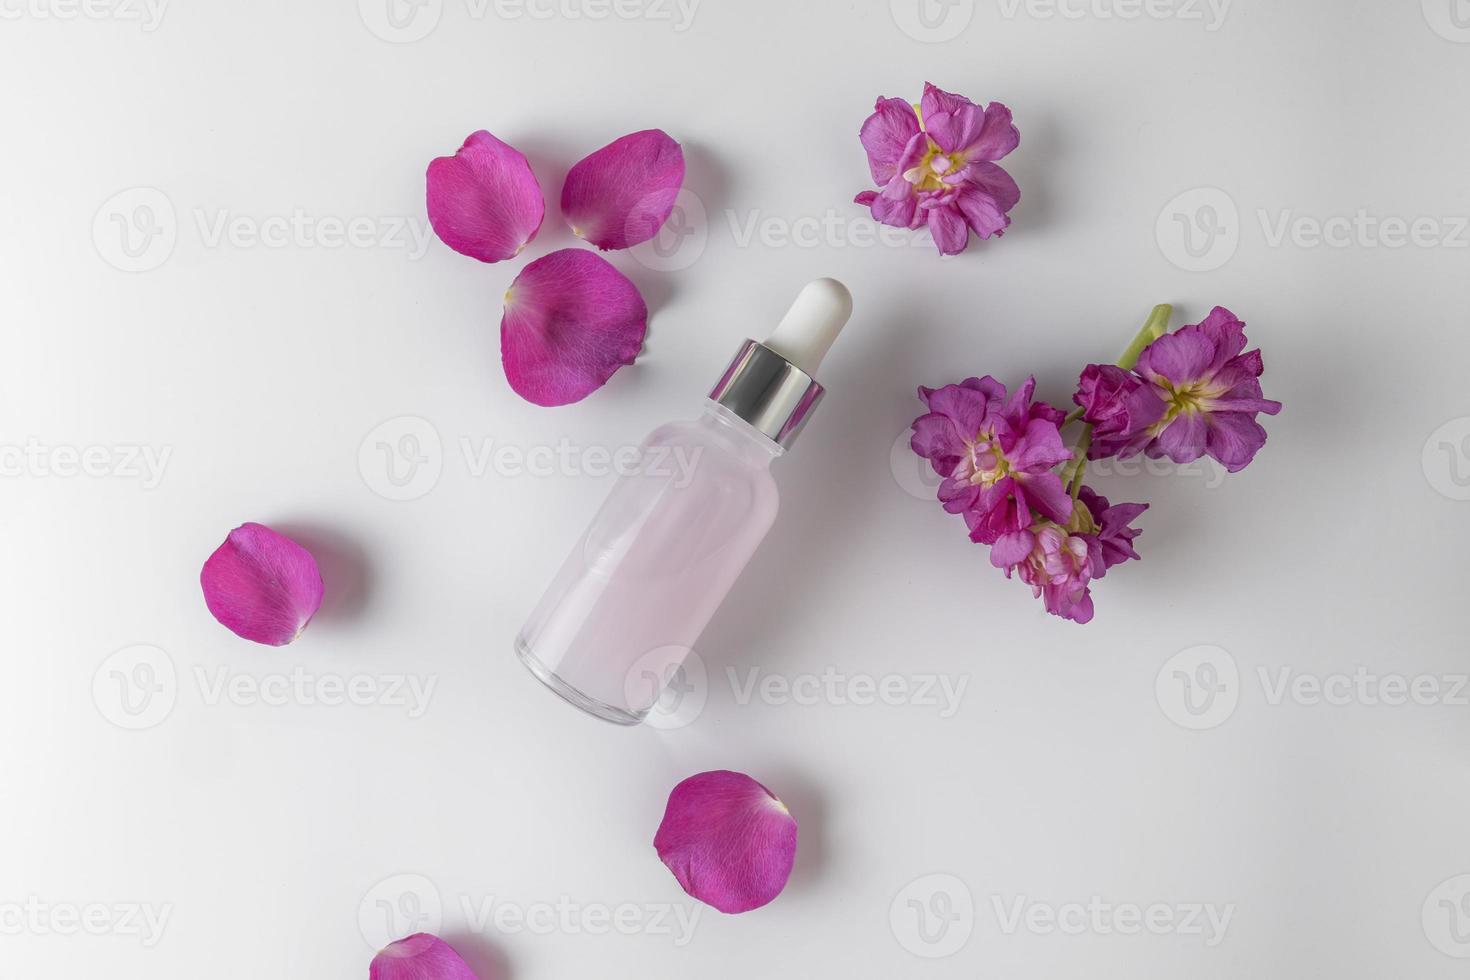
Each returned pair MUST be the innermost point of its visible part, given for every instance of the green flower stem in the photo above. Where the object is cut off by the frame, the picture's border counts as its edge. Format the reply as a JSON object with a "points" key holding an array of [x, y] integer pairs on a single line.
{"points": [[1077, 468], [1154, 327]]}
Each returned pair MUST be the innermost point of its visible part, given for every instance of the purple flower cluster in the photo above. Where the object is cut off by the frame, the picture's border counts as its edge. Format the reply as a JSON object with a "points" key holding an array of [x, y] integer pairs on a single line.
{"points": [[935, 163], [1190, 393], [1193, 393]]}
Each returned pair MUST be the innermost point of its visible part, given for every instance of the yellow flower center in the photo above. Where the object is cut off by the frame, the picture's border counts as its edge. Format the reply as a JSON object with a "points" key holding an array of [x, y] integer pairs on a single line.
{"points": [[1082, 521], [988, 466], [1191, 397], [928, 175]]}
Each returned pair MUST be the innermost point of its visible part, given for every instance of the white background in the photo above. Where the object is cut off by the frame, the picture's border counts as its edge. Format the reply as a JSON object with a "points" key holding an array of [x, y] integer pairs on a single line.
{"points": [[1334, 834]]}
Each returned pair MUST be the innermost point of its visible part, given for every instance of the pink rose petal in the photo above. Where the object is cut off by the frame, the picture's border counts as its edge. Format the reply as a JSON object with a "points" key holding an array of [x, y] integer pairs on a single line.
{"points": [[262, 585], [419, 957], [728, 840], [570, 321], [622, 194], [484, 201]]}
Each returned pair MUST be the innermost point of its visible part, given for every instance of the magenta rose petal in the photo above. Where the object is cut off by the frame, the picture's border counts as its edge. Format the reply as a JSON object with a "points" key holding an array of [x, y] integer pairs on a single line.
{"points": [[419, 957], [570, 321], [484, 201], [620, 195], [728, 840], [262, 585]]}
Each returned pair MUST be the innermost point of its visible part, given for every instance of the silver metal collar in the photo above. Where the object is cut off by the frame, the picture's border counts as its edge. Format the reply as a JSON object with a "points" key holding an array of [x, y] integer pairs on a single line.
{"points": [[769, 392]]}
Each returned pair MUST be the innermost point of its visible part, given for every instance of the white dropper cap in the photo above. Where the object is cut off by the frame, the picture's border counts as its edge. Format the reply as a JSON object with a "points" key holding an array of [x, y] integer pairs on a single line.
{"points": [[806, 332]]}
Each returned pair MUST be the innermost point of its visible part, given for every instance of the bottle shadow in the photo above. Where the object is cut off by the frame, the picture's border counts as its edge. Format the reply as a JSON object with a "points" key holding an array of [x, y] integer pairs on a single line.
{"points": [[838, 477]]}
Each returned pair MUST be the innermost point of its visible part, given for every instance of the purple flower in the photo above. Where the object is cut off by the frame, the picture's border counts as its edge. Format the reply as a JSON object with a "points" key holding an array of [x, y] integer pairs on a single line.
{"points": [[1108, 528], [1193, 394], [1060, 562], [936, 166], [995, 454], [1055, 563], [1118, 405]]}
